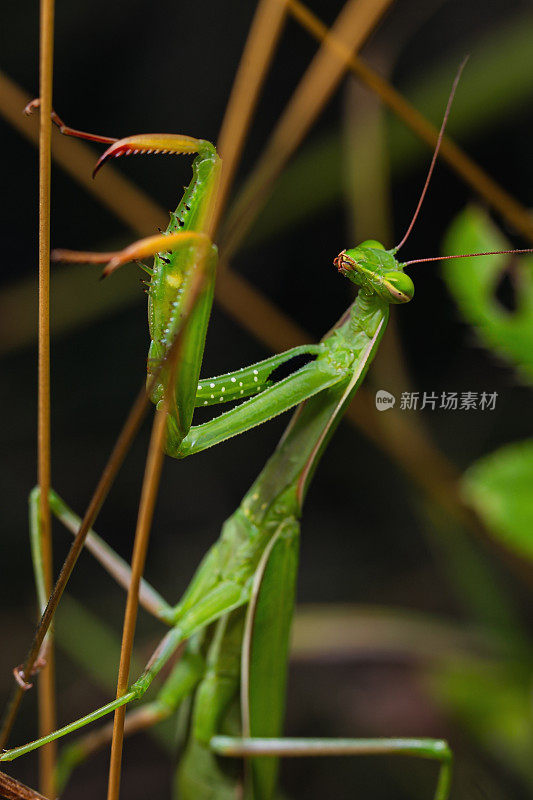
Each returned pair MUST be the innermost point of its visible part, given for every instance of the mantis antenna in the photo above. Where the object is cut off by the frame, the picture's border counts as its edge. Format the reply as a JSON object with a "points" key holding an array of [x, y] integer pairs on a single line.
{"points": [[426, 185], [435, 154], [466, 255]]}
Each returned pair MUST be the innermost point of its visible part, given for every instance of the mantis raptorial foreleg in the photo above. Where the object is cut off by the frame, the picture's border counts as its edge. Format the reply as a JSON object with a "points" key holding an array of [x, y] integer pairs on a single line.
{"points": [[168, 283], [174, 264], [250, 380], [315, 377]]}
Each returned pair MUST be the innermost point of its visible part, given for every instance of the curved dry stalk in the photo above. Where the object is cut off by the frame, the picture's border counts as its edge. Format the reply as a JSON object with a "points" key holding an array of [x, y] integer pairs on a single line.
{"points": [[11, 789]]}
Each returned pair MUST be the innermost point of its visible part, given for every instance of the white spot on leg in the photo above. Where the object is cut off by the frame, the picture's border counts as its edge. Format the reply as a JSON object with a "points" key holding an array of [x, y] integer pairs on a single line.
{"points": [[233, 380], [212, 385], [175, 281], [255, 379], [256, 372]]}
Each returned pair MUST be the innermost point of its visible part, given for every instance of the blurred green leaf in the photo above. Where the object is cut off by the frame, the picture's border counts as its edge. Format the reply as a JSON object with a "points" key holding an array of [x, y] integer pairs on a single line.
{"points": [[499, 487], [493, 704], [473, 283]]}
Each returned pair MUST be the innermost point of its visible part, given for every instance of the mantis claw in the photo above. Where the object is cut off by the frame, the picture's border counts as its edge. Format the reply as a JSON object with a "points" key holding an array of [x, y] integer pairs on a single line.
{"points": [[152, 245], [66, 129], [143, 248], [152, 144], [31, 106], [81, 257]]}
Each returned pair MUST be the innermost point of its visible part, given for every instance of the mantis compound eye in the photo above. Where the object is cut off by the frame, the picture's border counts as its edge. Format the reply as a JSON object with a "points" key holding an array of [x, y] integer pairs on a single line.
{"points": [[372, 244], [399, 286], [345, 261]]}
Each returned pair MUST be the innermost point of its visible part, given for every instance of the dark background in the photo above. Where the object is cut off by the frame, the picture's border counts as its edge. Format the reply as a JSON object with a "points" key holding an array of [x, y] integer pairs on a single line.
{"points": [[131, 67]]}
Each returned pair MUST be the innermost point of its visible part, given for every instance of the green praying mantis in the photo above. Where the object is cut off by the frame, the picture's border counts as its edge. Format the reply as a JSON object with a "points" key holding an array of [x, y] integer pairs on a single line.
{"points": [[234, 619]]}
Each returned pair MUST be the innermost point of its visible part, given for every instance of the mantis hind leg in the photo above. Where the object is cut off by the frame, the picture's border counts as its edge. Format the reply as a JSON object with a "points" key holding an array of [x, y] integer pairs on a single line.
{"points": [[225, 597], [119, 569], [435, 749], [265, 647], [179, 685]]}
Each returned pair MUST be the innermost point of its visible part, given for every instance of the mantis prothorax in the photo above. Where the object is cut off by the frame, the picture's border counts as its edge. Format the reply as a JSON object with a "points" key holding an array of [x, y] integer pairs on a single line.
{"points": [[260, 541]]}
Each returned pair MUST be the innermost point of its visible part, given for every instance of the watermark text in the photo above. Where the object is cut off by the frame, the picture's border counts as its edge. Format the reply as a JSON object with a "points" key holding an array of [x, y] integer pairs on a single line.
{"points": [[438, 401]]}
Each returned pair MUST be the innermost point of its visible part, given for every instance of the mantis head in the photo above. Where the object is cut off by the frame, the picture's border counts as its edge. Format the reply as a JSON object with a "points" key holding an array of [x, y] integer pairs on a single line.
{"points": [[376, 271]]}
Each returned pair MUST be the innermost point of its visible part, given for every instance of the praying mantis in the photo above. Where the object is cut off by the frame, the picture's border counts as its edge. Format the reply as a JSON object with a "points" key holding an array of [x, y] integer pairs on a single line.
{"points": [[237, 583], [259, 543]]}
